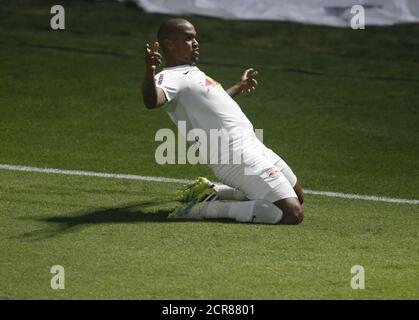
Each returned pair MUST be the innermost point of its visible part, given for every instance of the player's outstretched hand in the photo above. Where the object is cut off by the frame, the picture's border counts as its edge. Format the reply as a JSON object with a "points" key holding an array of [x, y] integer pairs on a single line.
{"points": [[248, 81], [152, 56]]}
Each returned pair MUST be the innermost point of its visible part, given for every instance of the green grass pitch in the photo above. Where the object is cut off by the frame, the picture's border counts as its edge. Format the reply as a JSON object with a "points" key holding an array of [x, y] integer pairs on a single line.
{"points": [[341, 106]]}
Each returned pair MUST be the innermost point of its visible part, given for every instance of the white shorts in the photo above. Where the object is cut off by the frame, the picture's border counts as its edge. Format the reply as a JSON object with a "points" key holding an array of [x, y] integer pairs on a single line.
{"points": [[262, 175]]}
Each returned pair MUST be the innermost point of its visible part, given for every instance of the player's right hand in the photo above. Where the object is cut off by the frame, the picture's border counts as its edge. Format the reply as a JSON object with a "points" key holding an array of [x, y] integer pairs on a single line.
{"points": [[152, 56]]}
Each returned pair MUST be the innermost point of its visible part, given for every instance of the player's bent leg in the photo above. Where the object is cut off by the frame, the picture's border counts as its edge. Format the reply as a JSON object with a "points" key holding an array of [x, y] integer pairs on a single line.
{"points": [[225, 192], [299, 191], [254, 211], [273, 192], [196, 189], [292, 211], [266, 212], [292, 178]]}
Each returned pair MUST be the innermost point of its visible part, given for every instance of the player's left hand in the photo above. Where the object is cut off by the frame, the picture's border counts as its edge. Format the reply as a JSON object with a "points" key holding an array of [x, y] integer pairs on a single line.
{"points": [[248, 81]]}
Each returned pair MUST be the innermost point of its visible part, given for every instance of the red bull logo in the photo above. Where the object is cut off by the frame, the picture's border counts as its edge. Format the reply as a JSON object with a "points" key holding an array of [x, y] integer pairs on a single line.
{"points": [[272, 172], [211, 83]]}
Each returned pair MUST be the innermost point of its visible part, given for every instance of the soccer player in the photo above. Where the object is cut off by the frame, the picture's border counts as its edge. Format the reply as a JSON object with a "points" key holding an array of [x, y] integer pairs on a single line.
{"points": [[261, 188]]}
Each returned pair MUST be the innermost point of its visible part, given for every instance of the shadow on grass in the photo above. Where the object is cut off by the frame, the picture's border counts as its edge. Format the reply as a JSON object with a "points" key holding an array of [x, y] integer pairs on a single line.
{"points": [[133, 213]]}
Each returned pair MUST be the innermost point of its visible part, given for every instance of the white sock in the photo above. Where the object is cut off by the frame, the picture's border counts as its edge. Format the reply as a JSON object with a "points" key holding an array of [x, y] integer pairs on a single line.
{"points": [[257, 211], [229, 193]]}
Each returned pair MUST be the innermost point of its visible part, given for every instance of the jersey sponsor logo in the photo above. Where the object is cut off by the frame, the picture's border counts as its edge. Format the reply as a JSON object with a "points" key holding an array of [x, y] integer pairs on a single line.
{"points": [[160, 78], [211, 83]]}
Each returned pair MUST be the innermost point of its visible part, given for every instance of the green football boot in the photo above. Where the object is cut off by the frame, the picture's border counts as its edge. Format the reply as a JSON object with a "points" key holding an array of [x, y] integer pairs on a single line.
{"points": [[197, 189], [192, 209]]}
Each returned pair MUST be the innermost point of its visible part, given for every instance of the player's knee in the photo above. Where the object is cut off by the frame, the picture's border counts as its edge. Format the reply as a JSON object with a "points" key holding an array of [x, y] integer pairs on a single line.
{"points": [[293, 212], [298, 214]]}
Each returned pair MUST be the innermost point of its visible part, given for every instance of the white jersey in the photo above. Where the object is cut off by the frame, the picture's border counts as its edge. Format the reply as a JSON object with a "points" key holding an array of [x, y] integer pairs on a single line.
{"points": [[202, 103]]}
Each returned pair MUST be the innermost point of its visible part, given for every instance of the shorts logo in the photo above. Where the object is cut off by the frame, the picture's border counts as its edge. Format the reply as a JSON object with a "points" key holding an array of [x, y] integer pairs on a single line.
{"points": [[160, 78], [272, 172]]}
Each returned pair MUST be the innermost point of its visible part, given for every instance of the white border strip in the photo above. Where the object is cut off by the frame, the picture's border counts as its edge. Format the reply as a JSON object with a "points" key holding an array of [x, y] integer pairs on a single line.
{"points": [[360, 197], [89, 173], [163, 179]]}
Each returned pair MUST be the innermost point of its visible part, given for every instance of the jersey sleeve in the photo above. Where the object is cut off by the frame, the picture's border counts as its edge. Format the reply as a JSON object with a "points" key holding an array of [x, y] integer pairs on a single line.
{"points": [[168, 83]]}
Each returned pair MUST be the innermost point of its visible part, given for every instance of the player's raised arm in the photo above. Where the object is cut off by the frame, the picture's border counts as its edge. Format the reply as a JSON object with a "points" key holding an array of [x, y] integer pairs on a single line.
{"points": [[247, 83], [153, 97]]}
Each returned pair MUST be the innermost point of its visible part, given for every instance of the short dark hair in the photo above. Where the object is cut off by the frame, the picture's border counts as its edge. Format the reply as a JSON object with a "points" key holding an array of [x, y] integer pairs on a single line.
{"points": [[168, 28]]}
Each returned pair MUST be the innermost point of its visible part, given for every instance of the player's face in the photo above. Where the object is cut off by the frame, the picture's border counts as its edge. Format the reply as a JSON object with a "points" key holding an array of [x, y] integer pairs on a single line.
{"points": [[185, 47]]}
